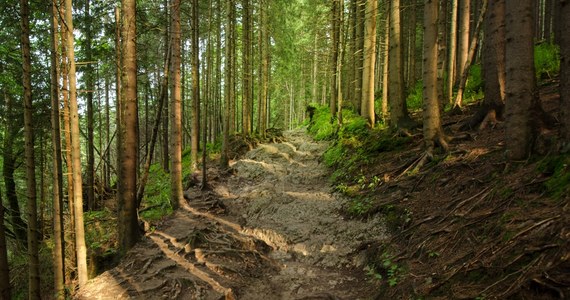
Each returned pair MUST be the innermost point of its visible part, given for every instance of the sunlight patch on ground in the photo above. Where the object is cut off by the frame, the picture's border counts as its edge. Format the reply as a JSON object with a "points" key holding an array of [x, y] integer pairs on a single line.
{"points": [[310, 196]]}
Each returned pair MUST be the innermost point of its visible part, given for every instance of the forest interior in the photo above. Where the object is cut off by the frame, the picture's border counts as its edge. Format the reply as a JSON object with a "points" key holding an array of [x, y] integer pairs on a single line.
{"points": [[285, 149]]}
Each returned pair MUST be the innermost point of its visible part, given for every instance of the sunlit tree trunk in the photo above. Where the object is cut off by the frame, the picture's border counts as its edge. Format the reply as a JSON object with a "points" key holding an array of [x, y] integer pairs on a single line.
{"points": [[33, 247], [385, 65], [464, 16], [367, 108], [166, 114], [335, 26], [175, 108], [80, 246], [521, 92], [58, 232], [129, 232], [451, 59], [224, 161], [433, 132], [264, 68]]}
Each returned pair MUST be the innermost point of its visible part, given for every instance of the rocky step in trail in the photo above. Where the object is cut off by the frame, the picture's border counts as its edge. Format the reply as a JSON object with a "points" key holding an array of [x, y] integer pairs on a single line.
{"points": [[272, 230]]}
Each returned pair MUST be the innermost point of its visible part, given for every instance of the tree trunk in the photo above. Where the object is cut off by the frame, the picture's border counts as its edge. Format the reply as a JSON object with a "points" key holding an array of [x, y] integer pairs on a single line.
{"points": [[398, 110], [521, 92], [564, 40], [463, 39], [367, 109], [493, 68], [451, 60], [90, 85], [433, 132], [80, 246], [33, 247], [129, 232], [334, 56], [264, 68], [195, 144], [385, 57], [58, 229], [176, 106], [166, 114], [224, 160], [5, 292], [8, 169], [247, 78]]}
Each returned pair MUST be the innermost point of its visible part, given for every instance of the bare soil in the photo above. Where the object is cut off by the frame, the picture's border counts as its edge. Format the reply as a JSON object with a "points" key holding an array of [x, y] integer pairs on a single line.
{"points": [[271, 230]]}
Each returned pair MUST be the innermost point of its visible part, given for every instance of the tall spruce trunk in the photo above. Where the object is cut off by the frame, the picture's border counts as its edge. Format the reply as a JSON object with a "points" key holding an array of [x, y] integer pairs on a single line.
{"points": [[176, 107], [34, 291]]}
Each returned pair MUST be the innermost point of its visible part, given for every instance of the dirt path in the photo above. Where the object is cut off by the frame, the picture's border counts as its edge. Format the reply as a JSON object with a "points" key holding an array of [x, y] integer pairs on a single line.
{"points": [[270, 231]]}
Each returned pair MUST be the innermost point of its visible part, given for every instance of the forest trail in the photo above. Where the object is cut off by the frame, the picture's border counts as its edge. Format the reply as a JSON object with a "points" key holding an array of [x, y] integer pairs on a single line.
{"points": [[271, 230]]}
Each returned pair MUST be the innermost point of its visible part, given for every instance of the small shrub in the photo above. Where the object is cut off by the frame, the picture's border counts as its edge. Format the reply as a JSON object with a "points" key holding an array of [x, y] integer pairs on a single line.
{"points": [[415, 97]]}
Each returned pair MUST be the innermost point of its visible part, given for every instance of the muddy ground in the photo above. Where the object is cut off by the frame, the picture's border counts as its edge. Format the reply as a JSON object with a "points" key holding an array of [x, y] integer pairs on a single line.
{"points": [[271, 230]]}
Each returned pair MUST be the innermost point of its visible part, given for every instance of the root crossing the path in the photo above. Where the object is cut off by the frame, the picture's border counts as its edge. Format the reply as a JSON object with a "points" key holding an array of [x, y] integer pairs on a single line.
{"points": [[271, 230]]}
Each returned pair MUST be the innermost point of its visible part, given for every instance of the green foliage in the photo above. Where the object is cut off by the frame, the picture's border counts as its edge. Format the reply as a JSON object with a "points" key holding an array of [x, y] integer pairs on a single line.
{"points": [[359, 207], [415, 97], [474, 85], [384, 268], [101, 231], [322, 129], [546, 60], [157, 195]]}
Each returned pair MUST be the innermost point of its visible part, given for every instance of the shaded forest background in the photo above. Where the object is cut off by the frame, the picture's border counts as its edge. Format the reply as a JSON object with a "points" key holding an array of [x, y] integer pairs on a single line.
{"points": [[111, 109]]}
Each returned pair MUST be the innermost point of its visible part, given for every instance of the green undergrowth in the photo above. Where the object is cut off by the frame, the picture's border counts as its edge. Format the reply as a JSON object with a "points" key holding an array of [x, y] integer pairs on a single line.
{"points": [[546, 60], [353, 148]]}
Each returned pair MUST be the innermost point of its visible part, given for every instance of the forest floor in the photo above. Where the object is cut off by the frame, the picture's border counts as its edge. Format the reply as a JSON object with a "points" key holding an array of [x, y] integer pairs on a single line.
{"points": [[467, 225], [271, 230]]}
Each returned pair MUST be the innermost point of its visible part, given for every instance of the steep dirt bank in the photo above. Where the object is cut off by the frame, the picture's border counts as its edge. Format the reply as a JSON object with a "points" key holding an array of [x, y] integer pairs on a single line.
{"points": [[272, 230]]}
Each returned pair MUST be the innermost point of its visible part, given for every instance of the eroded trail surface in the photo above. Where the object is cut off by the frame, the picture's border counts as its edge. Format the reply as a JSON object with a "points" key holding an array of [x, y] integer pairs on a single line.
{"points": [[272, 230]]}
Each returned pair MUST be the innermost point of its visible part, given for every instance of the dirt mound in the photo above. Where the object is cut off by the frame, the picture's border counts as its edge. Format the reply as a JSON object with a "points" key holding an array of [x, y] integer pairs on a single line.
{"points": [[272, 230]]}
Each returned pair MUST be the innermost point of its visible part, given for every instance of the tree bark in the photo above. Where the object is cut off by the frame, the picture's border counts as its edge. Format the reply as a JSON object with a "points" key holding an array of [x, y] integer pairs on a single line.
{"points": [[195, 143], [129, 232], [58, 229], [175, 109], [564, 41], [463, 40], [367, 108], [5, 289], [34, 291], [80, 246], [521, 92], [224, 160], [433, 133], [398, 110], [247, 106], [264, 68], [90, 85], [335, 26], [451, 60]]}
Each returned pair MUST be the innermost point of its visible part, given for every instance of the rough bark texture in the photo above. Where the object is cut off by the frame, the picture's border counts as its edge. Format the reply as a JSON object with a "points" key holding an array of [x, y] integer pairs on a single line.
{"points": [[264, 69], [33, 247], [224, 159], [398, 110], [175, 108], [367, 108], [58, 236], [493, 68], [90, 84], [335, 27], [129, 232], [564, 39], [80, 246], [521, 93], [451, 60], [431, 110]]}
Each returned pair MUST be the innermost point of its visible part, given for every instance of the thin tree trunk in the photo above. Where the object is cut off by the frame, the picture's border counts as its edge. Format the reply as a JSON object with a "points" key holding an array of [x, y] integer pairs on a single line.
{"points": [[264, 69], [58, 229], [451, 60], [367, 109], [398, 110], [90, 85], [176, 106], [5, 289], [224, 161], [34, 291], [472, 48], [334, 56], [565, 76], [247, 78], [81, 248], [463, 40], [385, 65], [195, 86]]}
